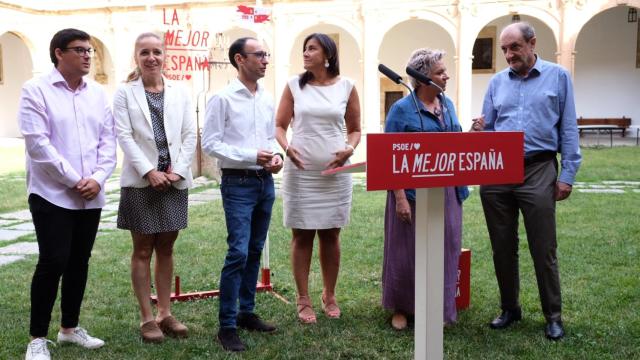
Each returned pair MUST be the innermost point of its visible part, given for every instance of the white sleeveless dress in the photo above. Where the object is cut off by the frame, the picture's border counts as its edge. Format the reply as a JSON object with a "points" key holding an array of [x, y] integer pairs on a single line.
{"points": [[312, 200]]}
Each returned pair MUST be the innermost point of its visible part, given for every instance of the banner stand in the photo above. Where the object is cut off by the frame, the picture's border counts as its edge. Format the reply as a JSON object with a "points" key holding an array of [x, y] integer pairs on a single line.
{"points": [[428, 162]]}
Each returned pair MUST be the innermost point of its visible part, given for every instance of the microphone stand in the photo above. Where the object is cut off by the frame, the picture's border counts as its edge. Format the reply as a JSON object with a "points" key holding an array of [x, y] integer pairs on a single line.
{"points": [[415, 103], [398, 80]]}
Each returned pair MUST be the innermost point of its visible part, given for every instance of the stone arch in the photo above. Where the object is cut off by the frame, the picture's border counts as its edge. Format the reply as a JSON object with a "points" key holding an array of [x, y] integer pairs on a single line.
{"points": [[349, 50], [101, 67], [349, 53], [303, 24], [221, 74], [16, 67], [25, 39], [546, 47], [537, 16], [606, 69], [580, 22], [387, 23], [396, 48]]}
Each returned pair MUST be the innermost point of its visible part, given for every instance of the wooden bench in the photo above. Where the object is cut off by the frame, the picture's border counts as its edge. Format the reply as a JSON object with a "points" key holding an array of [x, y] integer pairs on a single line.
{"points": [[607, 124]]}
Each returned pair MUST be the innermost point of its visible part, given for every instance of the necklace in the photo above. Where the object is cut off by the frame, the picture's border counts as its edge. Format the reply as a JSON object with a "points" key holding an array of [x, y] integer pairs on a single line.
{"points": [[436, 108]]}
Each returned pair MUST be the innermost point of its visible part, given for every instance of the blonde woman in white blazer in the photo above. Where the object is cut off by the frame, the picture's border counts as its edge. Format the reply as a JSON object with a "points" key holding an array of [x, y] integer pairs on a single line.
{"points": [[157, 134]]}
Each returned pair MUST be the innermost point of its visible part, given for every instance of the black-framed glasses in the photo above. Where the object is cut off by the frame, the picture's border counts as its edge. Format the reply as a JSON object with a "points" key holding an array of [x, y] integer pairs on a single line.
{"points": [[82, 51], [261, 55]]}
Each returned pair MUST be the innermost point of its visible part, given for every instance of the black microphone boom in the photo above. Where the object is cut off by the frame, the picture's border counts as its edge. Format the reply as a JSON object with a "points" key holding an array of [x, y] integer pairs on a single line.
{"points": [[421, 77], [398, 80], [390, 74]]}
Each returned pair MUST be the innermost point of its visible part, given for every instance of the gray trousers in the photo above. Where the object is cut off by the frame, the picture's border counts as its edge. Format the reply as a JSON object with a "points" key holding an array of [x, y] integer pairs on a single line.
{"points": [[535, 199]]}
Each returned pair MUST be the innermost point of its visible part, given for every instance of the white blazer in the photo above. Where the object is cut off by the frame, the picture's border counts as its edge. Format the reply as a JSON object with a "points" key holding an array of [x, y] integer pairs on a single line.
{"points": [[135, 132]]}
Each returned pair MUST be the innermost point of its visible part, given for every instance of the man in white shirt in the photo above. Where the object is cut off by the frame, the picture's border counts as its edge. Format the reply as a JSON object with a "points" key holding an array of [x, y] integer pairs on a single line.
{"points": [[70, 142], [240, 132]]}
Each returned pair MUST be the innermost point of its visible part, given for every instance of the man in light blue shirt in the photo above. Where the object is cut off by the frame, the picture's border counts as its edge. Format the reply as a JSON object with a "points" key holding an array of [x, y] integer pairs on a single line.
{"points": [[534, 96]]}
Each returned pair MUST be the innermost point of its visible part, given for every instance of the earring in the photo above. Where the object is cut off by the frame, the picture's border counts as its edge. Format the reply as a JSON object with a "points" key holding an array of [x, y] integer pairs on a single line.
{"points": [[326, 63]]}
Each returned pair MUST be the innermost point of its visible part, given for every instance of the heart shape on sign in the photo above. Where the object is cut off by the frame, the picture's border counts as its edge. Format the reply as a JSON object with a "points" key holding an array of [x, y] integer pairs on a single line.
{"points": [[188, 76], [416, 146]]}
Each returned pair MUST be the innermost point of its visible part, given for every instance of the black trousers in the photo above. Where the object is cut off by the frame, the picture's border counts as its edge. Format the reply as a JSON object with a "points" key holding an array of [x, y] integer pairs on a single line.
{"points": [[535, 199], [65, 239]]}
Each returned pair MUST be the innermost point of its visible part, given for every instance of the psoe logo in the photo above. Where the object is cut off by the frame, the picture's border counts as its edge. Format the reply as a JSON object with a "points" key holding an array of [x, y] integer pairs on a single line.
{"points": [[405, 146]]}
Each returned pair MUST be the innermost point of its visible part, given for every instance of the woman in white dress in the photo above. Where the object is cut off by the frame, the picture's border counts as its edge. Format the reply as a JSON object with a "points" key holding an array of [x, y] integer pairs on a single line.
{"points": [[317, 104]]}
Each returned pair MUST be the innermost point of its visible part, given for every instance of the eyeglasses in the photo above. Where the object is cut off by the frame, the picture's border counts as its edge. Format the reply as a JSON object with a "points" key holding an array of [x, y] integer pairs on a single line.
{"points": [[82, 51], [261, 55]]}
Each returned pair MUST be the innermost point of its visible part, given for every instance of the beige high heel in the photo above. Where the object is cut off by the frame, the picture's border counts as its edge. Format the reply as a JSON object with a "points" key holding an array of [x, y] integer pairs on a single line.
{"points": [[306, 315], [331, 308]]}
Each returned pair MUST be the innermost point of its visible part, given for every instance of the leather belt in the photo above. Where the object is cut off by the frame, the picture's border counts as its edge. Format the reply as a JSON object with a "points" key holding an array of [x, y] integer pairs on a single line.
{"points": [[539, 157], [245, 172]]}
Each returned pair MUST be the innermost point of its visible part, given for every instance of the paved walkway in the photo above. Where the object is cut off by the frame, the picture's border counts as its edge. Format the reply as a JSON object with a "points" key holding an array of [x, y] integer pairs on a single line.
{"points": [[18, 224]]}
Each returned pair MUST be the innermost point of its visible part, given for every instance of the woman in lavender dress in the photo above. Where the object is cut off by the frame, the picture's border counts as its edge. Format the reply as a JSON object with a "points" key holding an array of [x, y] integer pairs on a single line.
{"points": [[398, 272]]}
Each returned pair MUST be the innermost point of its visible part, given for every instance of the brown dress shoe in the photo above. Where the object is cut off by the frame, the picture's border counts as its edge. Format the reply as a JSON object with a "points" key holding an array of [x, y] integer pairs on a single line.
{"points": [[174, 328], [151, 333]]}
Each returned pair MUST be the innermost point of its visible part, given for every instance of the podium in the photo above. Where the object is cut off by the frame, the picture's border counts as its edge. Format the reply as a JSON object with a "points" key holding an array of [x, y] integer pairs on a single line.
{"points": [[428, 162]]}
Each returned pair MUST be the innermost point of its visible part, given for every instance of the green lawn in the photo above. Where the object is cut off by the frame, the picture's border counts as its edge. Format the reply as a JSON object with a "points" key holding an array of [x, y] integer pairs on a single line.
{"points": [[13, 192], [12, 155], [599, 246]]}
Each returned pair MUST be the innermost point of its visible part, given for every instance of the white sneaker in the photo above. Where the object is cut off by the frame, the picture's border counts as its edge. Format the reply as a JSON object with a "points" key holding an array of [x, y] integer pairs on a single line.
{"points": [[38, 350], [79, 336]]}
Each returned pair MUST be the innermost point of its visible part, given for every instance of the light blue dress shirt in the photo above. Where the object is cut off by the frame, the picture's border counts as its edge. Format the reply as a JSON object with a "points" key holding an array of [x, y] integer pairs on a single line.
{"points": [[542, 106]]}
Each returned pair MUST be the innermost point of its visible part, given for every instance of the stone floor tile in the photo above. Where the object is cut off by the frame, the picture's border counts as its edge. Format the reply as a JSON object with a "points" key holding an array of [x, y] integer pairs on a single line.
{"points": [[17, 215], [27, 226], [107, 226], [602, 191], [7, 235], [8, 259], [110, 219], [204, 197], [21, 248], [110, 207]]}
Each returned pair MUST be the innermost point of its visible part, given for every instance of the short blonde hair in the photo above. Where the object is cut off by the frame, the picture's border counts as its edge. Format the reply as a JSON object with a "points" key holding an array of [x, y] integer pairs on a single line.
{"points": [[135, 74], [423, 60]]}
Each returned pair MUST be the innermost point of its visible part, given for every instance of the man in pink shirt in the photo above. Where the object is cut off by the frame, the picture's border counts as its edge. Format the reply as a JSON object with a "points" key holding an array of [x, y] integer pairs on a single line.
{"points": [[70, 145]]}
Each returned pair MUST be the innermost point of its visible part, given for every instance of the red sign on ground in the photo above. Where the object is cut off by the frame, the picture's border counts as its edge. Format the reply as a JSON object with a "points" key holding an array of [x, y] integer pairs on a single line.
{"points": [[463, 283], [424, 160]]}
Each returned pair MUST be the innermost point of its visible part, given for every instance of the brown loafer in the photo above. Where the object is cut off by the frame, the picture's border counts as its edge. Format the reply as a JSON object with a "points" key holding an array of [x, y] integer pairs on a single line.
{"points": [[151, 333], [174, 328]]}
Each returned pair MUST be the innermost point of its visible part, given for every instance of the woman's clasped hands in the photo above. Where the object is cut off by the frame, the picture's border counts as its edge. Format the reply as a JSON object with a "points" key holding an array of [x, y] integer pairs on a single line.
{"points": [[341, 158], [160, 180]]}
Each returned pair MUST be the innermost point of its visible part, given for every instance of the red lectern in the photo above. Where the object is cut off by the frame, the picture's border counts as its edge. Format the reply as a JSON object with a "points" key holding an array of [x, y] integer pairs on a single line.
{"points": [[427, 162]]}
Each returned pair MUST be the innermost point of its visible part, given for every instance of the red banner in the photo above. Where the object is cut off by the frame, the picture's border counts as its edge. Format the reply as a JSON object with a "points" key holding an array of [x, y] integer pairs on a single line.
{"points": [[424, 160], [187, 49]]}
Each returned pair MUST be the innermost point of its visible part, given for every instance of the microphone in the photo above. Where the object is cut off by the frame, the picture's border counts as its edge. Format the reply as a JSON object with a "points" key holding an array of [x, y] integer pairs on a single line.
{"points": [[390, 74], [422, 78], [398, 80]]}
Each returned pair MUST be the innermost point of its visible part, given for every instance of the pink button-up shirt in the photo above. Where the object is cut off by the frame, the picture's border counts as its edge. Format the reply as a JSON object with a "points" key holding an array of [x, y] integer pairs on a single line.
{"points": [[69, 135]]}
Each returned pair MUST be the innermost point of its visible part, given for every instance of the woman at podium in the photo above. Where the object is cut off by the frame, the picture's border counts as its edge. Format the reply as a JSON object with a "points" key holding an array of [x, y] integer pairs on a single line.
{"points": [[436, 114], [318, 104]]}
